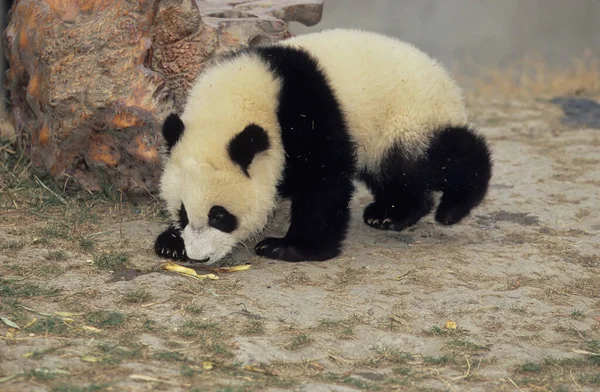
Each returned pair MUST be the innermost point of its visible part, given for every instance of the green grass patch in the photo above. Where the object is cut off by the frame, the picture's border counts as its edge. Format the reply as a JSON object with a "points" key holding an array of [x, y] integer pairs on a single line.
{"points": [[531, 367], [345, 333], [11, 288], [149, 325], [342, 328], [57, 255], [80, 388], [444, 359], [465, 347], [361, 384], [113, 354], [392, 355], [195, 309], [191, 328], [298, 342], [402, 371], [11, 246], [554, 373], [255, 327], [188, 371], [111, 261], [170, 356], [86, 244], [56, 231], [593, 346], [436, 330], [592, 379], [39, 354], [43, 374], [105, 319], [137, 296], [577, 314], [49, 325], [329, 324], [209, 334]]}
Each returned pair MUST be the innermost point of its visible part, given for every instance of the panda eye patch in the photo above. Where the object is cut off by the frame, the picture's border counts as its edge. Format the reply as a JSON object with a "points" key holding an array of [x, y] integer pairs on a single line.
{"points": [[221, 219]]}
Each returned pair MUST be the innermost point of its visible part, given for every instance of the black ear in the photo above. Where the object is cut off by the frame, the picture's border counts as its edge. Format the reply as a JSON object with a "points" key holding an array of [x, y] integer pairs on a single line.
{"points": [[172, 130], [246, 144]]}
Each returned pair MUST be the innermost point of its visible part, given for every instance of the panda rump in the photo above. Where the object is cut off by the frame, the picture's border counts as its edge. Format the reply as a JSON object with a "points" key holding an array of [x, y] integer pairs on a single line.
{"points": [[302, 119]]}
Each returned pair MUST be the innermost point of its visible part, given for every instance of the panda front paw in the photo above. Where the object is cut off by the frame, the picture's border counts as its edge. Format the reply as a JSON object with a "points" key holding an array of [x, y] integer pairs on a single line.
{"points": [[285, 250], [170, 245]]}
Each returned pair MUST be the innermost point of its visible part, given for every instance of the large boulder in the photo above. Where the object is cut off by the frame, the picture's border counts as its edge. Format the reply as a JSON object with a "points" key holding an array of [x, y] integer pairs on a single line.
{"points": [[90, 81]]}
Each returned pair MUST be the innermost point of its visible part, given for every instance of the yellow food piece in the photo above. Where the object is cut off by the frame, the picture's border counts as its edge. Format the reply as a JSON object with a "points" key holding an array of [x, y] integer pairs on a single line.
{"points": [[91, 329], [251, 368], [450, 325], [170, 266], [91, 359], [236, 268]]}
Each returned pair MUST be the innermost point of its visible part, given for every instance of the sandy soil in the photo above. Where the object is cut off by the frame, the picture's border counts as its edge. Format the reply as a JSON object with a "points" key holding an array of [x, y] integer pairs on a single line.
{"points": [[507, 300]]}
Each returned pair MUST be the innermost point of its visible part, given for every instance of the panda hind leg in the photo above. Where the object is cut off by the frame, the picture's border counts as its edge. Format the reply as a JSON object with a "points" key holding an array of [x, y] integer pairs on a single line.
{"points": [[400, 192], [398, 213], [461, 162]]}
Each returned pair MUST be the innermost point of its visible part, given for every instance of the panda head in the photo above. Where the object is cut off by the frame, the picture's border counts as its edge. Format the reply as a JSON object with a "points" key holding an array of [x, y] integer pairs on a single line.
{"points": [[219, 185]]}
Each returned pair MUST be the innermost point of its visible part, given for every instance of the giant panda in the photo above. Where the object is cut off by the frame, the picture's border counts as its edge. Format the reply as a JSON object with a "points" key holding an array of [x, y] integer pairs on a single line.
{"points": [[302, 119]]}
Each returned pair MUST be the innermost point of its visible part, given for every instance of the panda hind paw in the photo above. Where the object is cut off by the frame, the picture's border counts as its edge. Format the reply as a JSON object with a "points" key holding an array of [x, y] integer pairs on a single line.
{"points": [[170, 245], [282, 249], [378, 217]]}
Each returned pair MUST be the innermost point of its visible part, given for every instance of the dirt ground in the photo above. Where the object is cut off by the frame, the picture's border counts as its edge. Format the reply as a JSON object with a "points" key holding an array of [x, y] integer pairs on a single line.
{"points": [[507, 300]]}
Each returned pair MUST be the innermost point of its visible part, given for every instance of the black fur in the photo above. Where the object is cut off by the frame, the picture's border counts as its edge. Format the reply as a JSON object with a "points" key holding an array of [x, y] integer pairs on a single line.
{"points": [[245, 145], [172, 130], [221, 219], [183, 217], [170, 245], [321, 164], [457, 163], [320, 160]]}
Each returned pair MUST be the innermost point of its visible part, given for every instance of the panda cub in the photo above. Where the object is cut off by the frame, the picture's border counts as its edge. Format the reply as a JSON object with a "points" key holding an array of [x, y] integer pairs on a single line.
{"points": [[302, 119]]}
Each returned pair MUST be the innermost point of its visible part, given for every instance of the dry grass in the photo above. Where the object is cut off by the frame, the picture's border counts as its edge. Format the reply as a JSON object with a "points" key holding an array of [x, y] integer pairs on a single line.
{"points": [[531, 78], [58, 288]]}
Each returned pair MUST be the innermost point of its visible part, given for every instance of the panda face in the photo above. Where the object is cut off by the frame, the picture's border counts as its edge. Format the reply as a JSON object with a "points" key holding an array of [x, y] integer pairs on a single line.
{"points": [[215, 207], [220, 192], [224, 158], [215, 239]]}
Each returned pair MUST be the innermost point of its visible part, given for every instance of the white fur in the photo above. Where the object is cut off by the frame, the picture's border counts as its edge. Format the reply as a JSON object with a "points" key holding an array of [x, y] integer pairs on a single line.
{"points": [[207, 243], [200, 173], [389, 91]]}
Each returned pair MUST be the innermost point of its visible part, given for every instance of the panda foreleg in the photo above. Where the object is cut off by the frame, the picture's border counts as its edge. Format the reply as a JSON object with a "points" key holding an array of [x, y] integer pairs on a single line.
{"points": [[318, 224], [170, 245]]}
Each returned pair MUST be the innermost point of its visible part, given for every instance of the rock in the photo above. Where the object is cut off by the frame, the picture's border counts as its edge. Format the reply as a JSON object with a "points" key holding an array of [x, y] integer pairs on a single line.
{"points": [[579, 112], [91, 81]]}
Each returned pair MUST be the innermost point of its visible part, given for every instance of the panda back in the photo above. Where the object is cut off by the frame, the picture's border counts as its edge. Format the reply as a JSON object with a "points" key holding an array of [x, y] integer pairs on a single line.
{"points": [[390, 91]]}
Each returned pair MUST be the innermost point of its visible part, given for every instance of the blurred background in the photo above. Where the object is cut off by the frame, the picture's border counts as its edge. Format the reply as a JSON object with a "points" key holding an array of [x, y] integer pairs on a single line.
{"points": [[488, 32], [479, 33]]}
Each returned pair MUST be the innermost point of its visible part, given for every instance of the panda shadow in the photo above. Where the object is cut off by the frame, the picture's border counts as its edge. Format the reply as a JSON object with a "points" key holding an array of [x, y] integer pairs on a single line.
{"points": [[360, 237], [425, 230]]}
